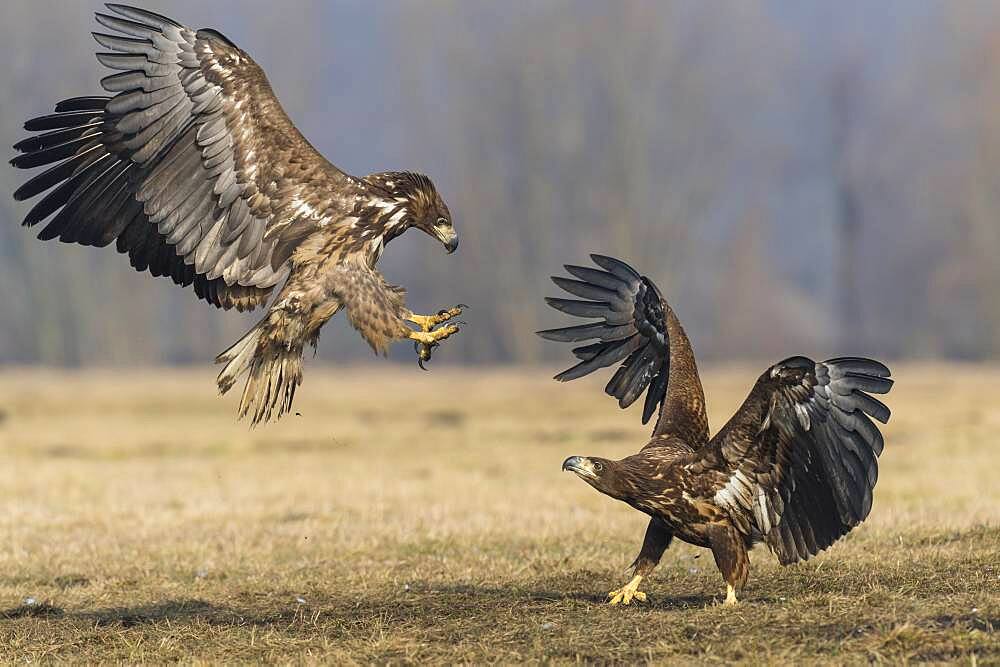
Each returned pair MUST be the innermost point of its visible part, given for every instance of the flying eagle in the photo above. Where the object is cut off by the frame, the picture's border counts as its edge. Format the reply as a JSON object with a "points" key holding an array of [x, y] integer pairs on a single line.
{"points": [[793, 468], [195, 171]]}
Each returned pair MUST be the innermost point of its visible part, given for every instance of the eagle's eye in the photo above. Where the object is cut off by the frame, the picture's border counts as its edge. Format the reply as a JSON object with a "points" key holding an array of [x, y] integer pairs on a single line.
{"points": [[598, 466], [441, 222]]}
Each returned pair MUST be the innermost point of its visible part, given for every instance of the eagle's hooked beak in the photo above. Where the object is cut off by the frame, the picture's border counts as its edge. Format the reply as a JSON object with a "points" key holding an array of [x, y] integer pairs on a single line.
{"points": [[447, 236], [581, 465]]}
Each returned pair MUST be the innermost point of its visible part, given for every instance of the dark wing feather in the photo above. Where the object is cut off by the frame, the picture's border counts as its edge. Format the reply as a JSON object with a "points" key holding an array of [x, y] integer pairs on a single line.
{"points": [[640, 330], [192, 167], [621, 303], [798, 462]]}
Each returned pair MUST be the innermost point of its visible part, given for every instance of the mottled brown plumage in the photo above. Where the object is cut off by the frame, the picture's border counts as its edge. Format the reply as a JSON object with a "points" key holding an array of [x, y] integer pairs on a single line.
{"points": [[794, 467], [196, 172]]}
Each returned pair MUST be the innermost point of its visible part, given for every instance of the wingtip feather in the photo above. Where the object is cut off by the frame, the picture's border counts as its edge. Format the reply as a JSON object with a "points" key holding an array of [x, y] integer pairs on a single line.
{"points": [[615, 266]]}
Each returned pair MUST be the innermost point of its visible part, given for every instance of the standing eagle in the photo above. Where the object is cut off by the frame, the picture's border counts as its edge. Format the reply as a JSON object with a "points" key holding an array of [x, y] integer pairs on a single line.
{"points": [[196, 172], [793, 468]]}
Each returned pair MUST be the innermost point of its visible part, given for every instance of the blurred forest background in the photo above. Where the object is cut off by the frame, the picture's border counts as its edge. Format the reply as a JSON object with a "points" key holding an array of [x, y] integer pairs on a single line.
{"points": [[814, 177]]}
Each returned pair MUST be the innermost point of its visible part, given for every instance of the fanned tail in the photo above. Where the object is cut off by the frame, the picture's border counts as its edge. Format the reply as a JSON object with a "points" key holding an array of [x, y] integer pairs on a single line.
{"points": [[274, 371]]}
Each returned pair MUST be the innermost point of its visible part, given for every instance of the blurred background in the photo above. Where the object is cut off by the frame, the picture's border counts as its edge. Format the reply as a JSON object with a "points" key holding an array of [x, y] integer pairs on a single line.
{"points": [[814, 177]]}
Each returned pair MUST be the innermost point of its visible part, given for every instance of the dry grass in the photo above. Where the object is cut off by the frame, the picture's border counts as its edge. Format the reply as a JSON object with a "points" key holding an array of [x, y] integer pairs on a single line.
{"points": [[411, 517]]}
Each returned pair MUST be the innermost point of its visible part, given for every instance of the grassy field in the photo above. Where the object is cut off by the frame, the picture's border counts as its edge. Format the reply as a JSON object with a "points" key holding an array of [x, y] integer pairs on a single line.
{"points": [[423, 517]]}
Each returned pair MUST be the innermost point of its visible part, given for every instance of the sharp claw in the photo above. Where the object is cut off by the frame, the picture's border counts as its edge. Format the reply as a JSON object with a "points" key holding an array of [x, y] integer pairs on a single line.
{"points": [[424, 351], [463, 306]]}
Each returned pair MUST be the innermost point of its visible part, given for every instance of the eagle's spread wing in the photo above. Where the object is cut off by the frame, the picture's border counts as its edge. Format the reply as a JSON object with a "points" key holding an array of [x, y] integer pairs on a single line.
{"points": [[640, 328], [375, 308], [797, 462], [193, 166]]}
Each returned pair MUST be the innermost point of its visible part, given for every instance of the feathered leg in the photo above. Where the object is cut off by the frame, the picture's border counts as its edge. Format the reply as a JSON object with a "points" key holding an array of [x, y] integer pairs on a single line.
{"points": [[656, 541], [731, 556]]}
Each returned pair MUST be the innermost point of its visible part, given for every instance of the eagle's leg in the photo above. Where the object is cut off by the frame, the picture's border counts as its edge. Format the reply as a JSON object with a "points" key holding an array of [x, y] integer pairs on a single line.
{"points": [[428, 322], [657, 540], [731, 556]]}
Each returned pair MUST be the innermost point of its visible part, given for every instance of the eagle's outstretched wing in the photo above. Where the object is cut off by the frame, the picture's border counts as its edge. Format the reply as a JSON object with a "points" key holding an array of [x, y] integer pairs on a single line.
{"points": [[797, 463], [639, 329], [192, 167]]}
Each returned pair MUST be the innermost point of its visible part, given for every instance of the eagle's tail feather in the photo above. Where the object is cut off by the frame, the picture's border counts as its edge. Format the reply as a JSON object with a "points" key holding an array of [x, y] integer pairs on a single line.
{"points": [[274, 371], [237, 359]]}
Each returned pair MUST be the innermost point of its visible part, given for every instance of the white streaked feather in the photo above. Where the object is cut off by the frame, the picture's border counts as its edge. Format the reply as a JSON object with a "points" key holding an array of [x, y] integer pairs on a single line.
{"points": [[737, 493], [803, 414], [375, 248], [385, 204], [761, 511], [302, 209], [725, 497]]}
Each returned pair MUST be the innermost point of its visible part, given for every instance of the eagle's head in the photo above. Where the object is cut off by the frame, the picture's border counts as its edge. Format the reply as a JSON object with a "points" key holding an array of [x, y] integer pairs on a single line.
{"points": [[602, 474], [638, 479], [421, 205]]}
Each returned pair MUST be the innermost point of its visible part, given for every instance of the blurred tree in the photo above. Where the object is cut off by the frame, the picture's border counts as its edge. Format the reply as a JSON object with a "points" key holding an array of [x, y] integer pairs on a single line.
{"points": [[794, 175], [587, 127], [845, 97]]}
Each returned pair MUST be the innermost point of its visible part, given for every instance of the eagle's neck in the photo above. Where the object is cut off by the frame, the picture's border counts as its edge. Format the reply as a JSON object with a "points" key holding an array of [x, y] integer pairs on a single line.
{"points": [[378, 220]]}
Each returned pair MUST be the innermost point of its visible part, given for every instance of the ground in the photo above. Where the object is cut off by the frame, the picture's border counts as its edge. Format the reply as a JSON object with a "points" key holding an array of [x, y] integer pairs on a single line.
{"points": [[409, 517]]}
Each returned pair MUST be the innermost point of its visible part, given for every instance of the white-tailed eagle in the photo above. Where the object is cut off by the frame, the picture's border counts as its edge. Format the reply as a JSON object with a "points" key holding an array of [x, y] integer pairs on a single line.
{"points": [[794, 468], [194, 170]]}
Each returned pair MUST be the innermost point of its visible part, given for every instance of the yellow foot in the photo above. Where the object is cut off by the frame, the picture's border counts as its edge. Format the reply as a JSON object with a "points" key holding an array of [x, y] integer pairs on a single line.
{"points": [[424, 342], [626, 593], [433, 337], [428, 322], [730, 596]]}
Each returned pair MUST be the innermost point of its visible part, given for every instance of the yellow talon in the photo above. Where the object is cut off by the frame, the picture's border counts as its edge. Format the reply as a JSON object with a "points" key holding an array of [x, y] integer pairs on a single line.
{"points": [[425, 340], [628, 592], [428, 322], [730, 596], [433, 337]]}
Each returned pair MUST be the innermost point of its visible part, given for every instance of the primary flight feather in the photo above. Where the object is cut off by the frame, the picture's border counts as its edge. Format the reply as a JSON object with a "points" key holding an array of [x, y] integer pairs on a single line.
{"points": [[196, 172], [794, 468]]}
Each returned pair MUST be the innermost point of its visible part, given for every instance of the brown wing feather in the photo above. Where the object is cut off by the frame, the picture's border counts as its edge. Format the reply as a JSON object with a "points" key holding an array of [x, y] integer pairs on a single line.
{"points": [[640, 330], [192, 167], [797, 463]]}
